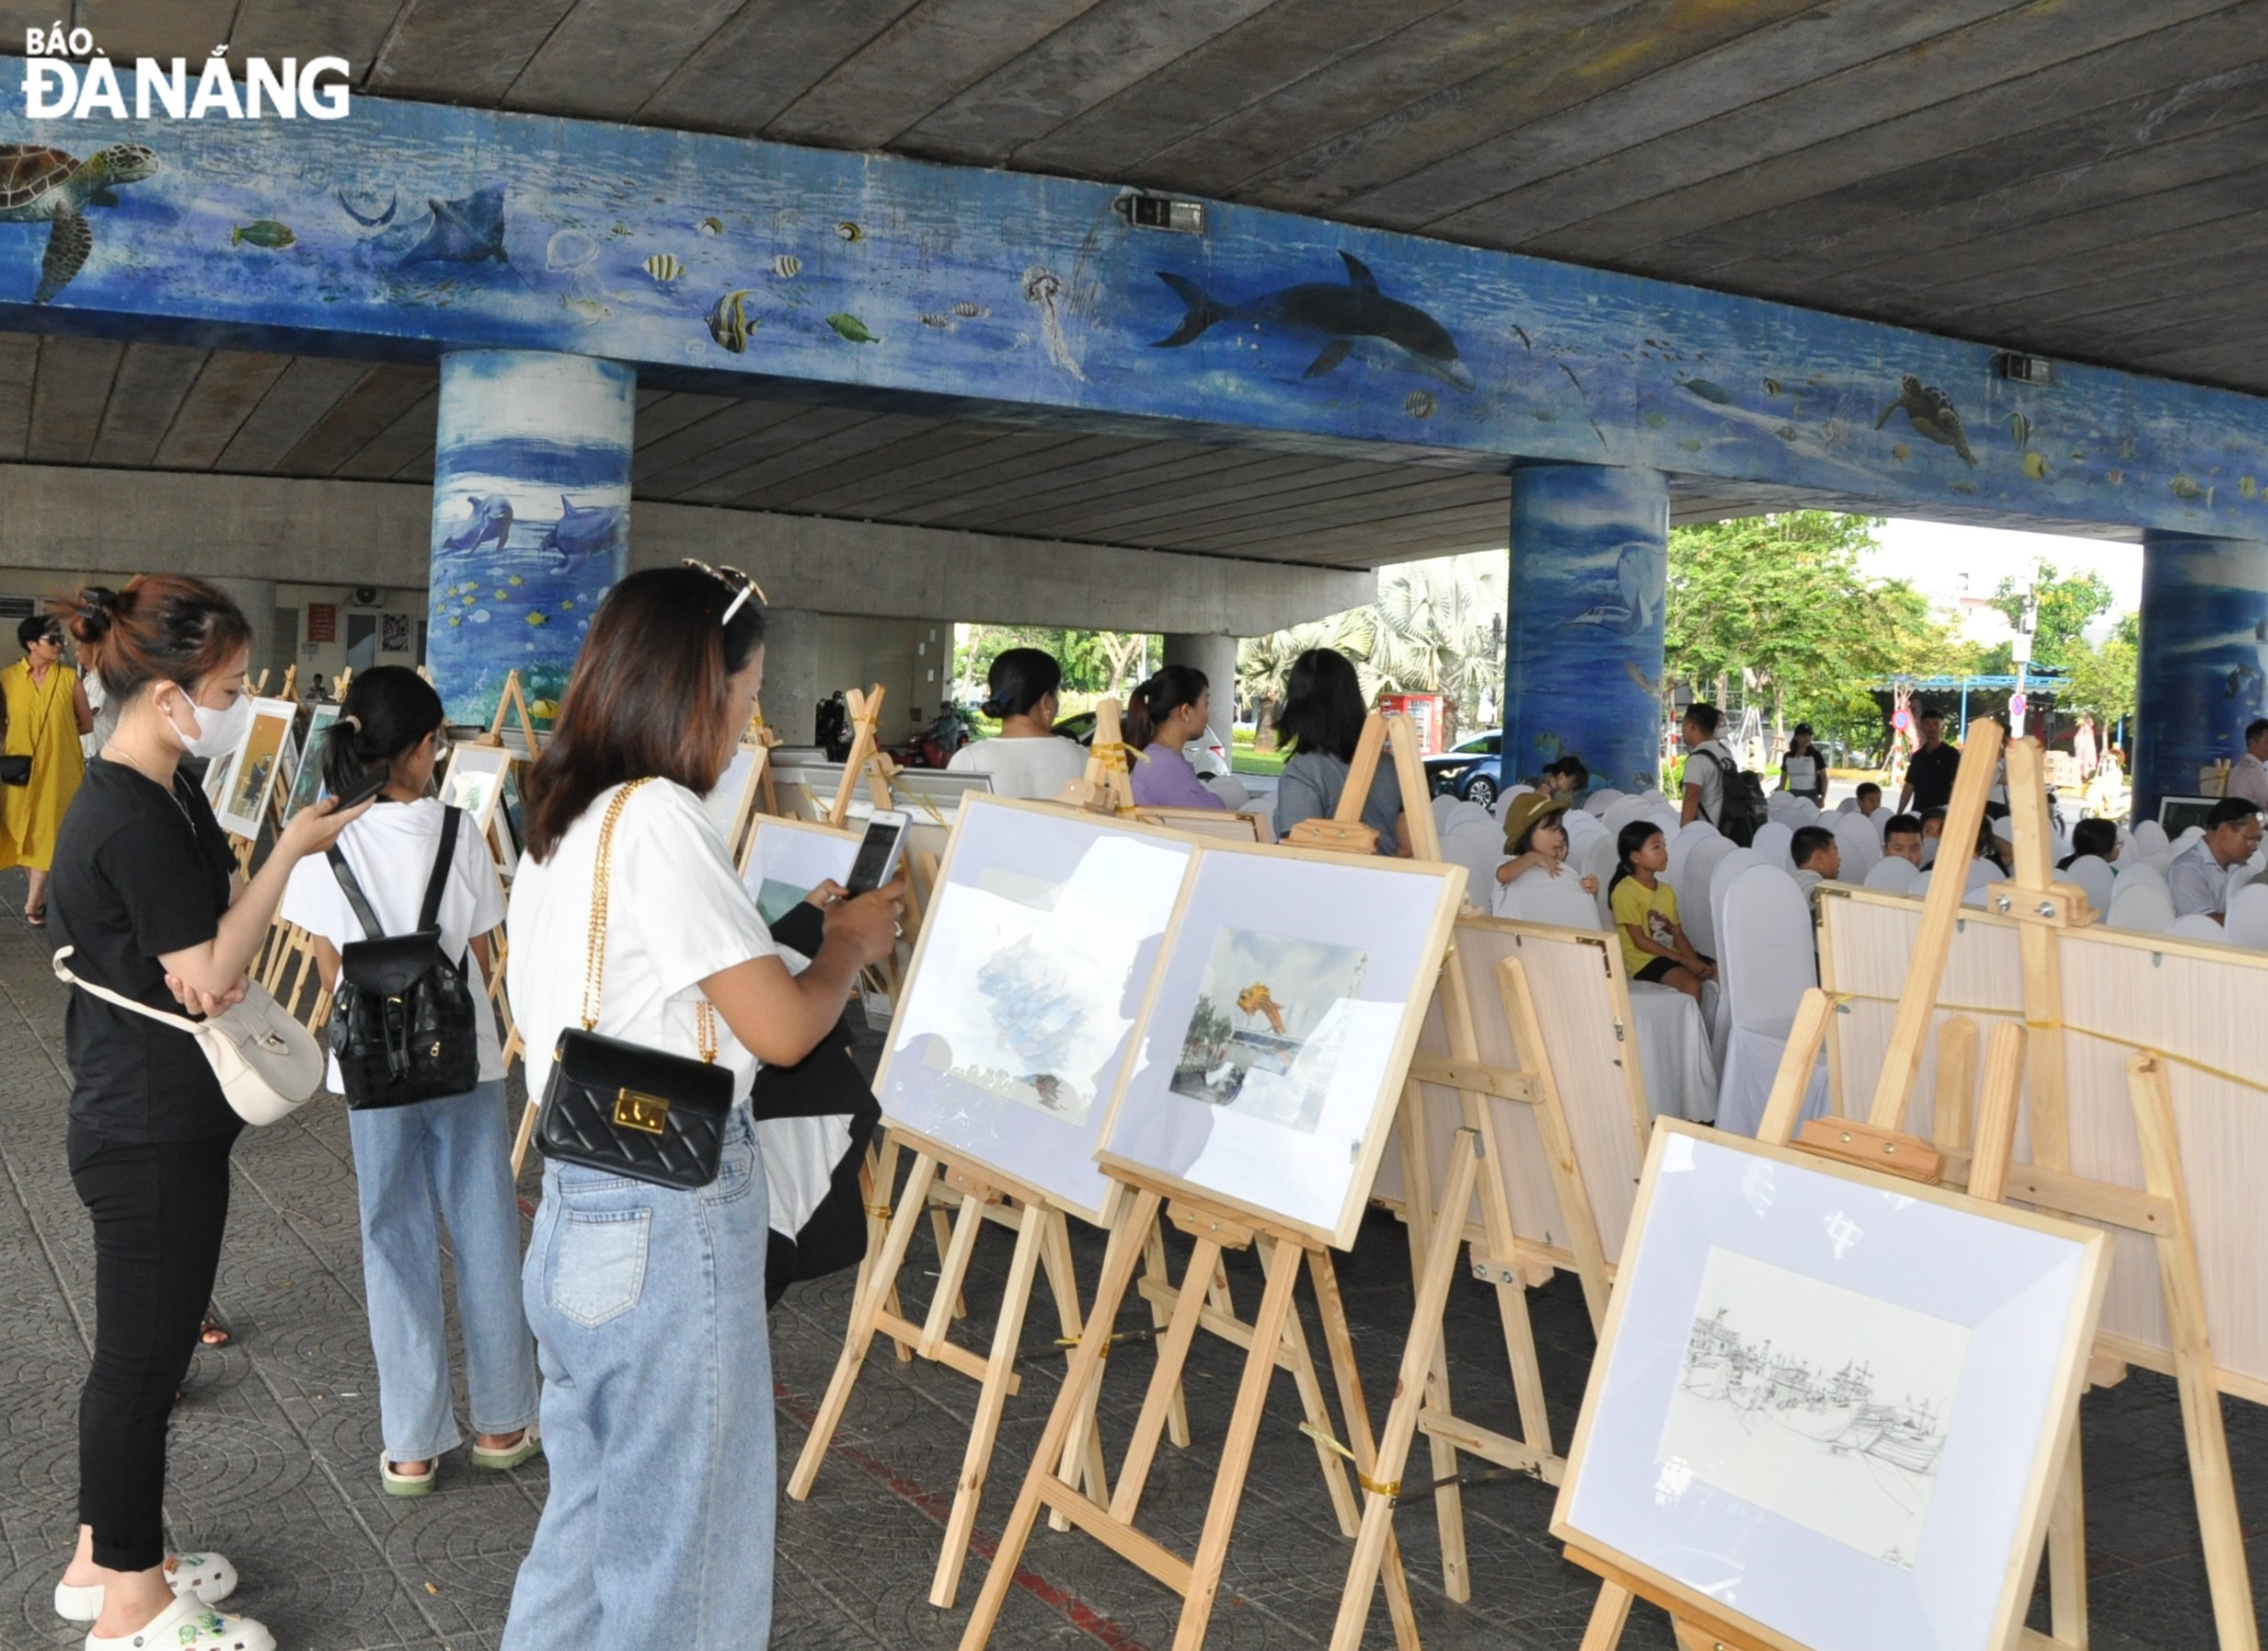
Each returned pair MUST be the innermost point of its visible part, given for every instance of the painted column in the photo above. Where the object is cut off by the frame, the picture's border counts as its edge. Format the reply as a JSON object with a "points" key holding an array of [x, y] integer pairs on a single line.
{"points": [[531, 518], [2202, 674], [1216, 657], [1583, 650]]}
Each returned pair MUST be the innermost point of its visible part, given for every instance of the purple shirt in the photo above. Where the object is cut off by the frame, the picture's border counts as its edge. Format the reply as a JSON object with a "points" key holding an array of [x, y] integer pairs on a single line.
{"points": [[1167, 781]]}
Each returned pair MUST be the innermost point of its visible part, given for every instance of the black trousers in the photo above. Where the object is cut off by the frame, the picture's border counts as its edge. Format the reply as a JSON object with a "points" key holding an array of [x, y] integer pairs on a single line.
{"points": [[159, 1210]]}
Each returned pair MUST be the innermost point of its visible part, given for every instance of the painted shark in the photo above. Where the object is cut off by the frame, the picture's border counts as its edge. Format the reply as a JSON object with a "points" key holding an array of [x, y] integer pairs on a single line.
{"points": [[1341, 317]]}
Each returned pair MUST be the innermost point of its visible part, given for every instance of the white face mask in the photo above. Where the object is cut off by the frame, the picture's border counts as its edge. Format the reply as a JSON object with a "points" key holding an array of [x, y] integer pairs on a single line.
{"points": [[217, 731]]}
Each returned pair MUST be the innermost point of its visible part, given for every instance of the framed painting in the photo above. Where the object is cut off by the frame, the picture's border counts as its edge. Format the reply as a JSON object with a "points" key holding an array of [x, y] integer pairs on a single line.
{"points": [[1017, 1017], [254, 770], [1279, 1029], [733, 797], [308, 779], [789, 859], [475, 779], [1829, 1406]]}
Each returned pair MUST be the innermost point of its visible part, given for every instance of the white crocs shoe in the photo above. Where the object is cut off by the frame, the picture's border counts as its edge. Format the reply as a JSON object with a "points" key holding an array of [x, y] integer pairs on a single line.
{"points": [[208, 1579], [187, 1625]]}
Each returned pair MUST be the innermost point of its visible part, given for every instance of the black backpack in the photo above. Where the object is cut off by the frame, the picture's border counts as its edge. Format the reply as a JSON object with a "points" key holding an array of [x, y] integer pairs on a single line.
{"points": [[401, 1022], [1741, 804]]}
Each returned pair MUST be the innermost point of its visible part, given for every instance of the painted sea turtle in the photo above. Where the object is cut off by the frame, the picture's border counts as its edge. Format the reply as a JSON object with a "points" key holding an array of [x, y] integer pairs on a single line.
{"points": [[38, 183]]}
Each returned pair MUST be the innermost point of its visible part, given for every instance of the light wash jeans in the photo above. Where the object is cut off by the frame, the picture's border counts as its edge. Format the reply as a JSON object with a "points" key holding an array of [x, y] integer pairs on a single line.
{"points": [[418, 1166], [650, 1324]]}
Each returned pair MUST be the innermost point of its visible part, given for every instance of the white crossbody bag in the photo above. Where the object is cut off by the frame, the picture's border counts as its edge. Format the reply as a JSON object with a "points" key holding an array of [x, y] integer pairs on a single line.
{"points": [[269, 1065]]}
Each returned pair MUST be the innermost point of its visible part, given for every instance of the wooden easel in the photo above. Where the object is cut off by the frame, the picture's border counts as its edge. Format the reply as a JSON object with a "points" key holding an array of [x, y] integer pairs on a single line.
{"points": [[1106, 784], [1284, 1253], [866, 752]]}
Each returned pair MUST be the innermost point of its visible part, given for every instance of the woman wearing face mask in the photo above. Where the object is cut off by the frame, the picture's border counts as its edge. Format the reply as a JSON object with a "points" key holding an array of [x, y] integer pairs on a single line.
{"points": [[147, 893], [443, 1159]]}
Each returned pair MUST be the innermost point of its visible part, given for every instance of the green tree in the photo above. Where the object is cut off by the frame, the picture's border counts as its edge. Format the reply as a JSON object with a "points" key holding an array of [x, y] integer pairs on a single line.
{"points": [[2067, 607], [1093, 661], [2103, 678]]}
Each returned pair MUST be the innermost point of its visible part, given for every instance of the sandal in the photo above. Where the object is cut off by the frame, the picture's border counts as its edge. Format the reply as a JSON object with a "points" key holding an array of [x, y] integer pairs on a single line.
{"points": [[406, 1484], [512, 1455], [38, 919], [214, 1334], [186, 1626], [208, 1579]]}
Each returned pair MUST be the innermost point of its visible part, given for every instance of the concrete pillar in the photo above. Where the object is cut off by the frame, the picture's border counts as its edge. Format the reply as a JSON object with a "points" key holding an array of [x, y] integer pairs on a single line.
{"points": [[2202, 674], [258, 598], [531, 517], [1216, 657], [791, 688], [1583, 650]]}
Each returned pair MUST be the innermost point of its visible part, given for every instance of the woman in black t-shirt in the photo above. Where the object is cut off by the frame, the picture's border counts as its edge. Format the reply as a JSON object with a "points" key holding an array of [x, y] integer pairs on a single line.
{"points": [[146, 892]]}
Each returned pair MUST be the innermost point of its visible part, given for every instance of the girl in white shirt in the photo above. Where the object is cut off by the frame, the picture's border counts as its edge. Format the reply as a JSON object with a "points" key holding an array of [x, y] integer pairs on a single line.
{"points": [[449, 1158], [648, 1302], [1028, 758]]}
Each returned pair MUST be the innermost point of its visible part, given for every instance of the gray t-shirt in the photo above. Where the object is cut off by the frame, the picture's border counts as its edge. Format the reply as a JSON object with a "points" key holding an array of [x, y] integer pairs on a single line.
{"points": [[2197, 882], [1709, 775], [1310, 786]]}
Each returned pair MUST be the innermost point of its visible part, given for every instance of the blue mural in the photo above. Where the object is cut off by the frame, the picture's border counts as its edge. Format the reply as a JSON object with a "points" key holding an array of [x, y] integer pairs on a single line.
{"points": [[531, 519], [1587, 597], [420, 229], [2204, 668]]}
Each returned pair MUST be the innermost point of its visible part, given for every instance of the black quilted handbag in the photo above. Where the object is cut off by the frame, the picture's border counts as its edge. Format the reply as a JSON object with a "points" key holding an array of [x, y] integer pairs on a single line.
{"points": [[402, 1020], [624, 1108]]}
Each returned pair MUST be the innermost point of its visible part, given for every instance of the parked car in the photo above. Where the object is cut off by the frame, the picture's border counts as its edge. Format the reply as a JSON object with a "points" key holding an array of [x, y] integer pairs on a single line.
{"points": [[1208, 756], [1469, 770]]}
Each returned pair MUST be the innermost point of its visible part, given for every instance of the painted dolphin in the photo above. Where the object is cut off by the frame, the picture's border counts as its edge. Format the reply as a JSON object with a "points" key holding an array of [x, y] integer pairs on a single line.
{"points": [[462, 232], [1341, 316], [583, 531], [490, 519], [1639, 574]]}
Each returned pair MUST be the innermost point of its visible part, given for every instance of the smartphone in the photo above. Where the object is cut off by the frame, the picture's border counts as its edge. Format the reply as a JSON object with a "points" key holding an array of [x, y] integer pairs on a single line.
{"points": [[878, 855], [371, 782]]}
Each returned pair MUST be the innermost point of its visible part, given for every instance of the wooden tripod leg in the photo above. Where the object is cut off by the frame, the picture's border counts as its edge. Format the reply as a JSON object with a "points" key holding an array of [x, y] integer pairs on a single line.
{"points": [[1608, 1618], [940, 1233], [1082, 1455], [992, 1397], [1301, 1361], [864, 1311], [875, 1181], [956, 1250], [1172, 1354], [2193, 1360], [1118, 1268], [1155, 1265], [523, 1136], [1449, 1500], [2066, 1554], [1259, 1369]]}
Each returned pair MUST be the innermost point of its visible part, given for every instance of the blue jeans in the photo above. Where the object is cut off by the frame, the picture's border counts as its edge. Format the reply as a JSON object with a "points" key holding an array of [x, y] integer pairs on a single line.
{"points": [[418, 1166], [650, 1324]]}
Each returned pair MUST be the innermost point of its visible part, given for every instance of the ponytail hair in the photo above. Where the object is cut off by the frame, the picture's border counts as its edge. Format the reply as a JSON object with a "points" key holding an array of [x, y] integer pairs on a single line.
{"points": [[1633, 838], [387, 710], [161, 628], [1148, 706]]}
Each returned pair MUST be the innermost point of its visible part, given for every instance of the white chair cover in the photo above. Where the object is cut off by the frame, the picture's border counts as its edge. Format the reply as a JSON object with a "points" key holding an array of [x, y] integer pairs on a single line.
{"points": [[1478, 845], [1772, 840], [1897, 876], [2159, 860], [2196, 927], [1847, 805], [2130, 868], [1496, 808], [1920, 890], [1728, 873], [1673, 1052], [2190, 833], [1622, 811], [2248, 916], [1535, 897], [1700, 871], [2150, 837], [1443, 803], [1598, 861], [2091, 872], [1664, 815], [1982, 872], [1466, 812], [1856, 841], [1682, 842], [1583, 830], [1805, 813], [2144, 908], [1779, 805], [1600, 800], [1766, 966]]}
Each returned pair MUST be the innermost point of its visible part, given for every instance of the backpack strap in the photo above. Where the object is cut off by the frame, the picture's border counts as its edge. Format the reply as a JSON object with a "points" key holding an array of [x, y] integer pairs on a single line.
{"points": [[372, 929], [429, 909]]}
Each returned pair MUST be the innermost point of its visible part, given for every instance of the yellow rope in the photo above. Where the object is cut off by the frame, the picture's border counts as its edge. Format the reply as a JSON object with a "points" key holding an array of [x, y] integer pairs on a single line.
{"points": [[1115, 755]]}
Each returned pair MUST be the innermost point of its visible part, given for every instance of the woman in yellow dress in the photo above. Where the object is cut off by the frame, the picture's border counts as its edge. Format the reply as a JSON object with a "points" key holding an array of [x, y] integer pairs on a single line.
{"points": [[47, 713]]}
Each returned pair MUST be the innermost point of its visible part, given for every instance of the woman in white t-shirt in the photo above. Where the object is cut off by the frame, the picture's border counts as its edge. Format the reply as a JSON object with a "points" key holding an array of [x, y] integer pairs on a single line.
{"points": [[1026, 759], [449, 1158], [648, 1302]]}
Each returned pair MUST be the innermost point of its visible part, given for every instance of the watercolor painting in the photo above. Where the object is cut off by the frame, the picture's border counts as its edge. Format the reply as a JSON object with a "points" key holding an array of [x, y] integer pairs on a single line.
{"points": [[473, 780], [266, 750], [1262, 1039], [787, 859], [1818, 1404]]}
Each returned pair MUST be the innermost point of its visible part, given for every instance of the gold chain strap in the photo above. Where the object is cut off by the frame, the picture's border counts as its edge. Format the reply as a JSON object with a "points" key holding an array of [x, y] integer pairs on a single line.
{"points": [[594, 950]]}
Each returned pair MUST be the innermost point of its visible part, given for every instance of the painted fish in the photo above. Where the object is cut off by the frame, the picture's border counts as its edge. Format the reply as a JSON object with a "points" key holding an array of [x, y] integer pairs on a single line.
{"points": [[1708, 390], [2035, 466], [785, 265], [582, 532], [464, 231], [2021, 428], [712, 227], [1341, 316], [849, 231], [728, 320], [946, 322], [514, 579], [970, 312], [1418, 404], [591, 311], [490, 519], [537, 618], [1772, 387], [852, 327], [665, 268], [266, 233]]}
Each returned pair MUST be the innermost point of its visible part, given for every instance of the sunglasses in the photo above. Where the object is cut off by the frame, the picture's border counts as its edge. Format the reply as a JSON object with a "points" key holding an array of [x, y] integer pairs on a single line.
{"points": [[743, 586]]}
